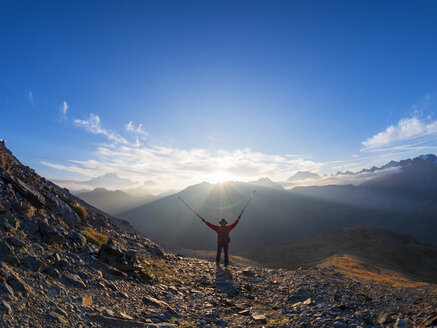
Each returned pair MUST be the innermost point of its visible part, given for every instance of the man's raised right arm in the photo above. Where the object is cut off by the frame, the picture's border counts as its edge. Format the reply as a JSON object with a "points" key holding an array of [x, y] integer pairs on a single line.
{"points": [[212, 226]]}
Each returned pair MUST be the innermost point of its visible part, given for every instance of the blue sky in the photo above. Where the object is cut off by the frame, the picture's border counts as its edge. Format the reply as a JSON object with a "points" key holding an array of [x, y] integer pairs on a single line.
{"points": [[226, 89]]}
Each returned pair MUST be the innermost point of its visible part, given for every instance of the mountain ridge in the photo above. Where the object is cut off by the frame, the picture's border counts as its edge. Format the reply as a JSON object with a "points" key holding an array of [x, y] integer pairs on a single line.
{"points": [[114, 201], [404, 201]]}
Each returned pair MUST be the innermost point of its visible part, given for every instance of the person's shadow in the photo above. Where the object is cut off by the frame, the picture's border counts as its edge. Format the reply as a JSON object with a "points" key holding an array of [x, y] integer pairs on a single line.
{"points": [[224, 282]]}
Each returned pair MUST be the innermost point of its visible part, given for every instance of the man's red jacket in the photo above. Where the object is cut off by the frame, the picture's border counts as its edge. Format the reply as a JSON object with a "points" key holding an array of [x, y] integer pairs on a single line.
{"points": [[223, 231]]}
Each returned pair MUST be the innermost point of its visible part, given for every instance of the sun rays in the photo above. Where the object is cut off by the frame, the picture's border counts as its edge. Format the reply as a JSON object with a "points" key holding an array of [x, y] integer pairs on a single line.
{"points": [[221, 176]]}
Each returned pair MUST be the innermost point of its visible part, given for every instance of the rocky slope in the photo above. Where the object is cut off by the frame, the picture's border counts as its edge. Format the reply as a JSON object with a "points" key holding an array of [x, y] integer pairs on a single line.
{"points": [[65, 264]]}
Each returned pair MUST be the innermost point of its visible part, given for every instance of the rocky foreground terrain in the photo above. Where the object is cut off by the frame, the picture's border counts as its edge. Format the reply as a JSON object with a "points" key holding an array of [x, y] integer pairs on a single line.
{"points": [[64, 263]]}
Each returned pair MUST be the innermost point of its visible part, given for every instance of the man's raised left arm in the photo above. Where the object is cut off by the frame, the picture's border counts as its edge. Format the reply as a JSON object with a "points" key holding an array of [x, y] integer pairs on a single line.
{"points": [[233, 225]]}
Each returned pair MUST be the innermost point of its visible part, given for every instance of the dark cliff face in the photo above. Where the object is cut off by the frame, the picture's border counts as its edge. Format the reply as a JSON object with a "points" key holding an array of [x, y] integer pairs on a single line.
{"points": [[40, 220], [24, 192]]}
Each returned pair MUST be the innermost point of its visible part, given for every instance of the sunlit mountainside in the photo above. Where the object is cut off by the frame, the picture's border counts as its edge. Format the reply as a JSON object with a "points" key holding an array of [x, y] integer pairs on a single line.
{"points": [[379, 247]]}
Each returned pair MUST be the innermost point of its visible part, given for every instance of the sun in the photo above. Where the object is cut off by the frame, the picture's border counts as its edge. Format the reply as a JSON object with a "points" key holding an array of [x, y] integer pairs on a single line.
{"points": [[221, 176]]}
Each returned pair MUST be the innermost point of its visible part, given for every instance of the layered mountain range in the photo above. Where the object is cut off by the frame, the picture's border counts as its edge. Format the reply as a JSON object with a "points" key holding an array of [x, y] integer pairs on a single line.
{"points": [[114, 201], [402, 198]]}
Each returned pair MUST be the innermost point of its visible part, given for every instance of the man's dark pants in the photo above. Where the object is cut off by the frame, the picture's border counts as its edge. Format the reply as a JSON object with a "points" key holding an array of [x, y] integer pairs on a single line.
{"points": [[219, 250]]}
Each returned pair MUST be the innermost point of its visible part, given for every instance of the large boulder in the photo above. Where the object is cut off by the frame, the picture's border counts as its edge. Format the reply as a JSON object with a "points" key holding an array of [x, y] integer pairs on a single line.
{"points": [[51, 234], [19, 286], [78, 238], [15, 242], [28, 192], [7, 254], [34, 264], [5, 224], [10, 278], [6, 291], [5, 307], [73, 279], [114, 255], [30, 227], [62, 209]]}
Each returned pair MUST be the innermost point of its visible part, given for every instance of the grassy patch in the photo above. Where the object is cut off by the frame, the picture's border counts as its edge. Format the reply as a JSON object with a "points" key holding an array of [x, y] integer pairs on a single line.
{"points": [[6, 162], [278, 322], [57, 245], [80, 210], [186, 324], [21, 233], [159, 269], [359, 269], [42, 212], [95, 237], [30, 211]]}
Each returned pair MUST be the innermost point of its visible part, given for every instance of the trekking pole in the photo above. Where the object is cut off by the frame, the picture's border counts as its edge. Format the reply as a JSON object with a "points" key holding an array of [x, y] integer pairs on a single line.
{"points": [[191, 208], [250, 198]]}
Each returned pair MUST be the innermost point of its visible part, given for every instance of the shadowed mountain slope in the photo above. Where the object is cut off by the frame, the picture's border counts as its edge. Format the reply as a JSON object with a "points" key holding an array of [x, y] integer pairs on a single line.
{"points": [[114, 202], [404, 201], [41, 197], [380, 247], [273, 216]]}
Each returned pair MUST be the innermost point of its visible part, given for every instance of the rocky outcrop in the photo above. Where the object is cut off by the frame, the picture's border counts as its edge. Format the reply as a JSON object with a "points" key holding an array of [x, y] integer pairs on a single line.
{"points": [[29, 193], [114, 255]]}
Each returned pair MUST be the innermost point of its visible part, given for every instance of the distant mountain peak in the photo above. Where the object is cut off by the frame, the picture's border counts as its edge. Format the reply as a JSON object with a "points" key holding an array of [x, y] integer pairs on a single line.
{"points": [[110, 181], [264, 179], [429, 158], [267, 183], [303, 175], [114, 201], [99, 189]]}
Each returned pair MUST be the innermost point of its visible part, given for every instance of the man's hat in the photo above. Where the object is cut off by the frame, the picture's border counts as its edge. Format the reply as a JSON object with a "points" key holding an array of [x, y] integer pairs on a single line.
{"points": [[223, 221]]}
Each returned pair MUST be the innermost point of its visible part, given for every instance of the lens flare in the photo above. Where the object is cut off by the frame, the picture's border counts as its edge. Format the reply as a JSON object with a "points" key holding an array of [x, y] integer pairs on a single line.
{"points": [[221, 176]]}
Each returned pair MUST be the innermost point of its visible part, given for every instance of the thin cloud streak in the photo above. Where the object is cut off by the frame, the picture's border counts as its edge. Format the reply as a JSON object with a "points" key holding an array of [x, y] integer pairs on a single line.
{"points": [[65, 108], [93, 125], [139, 130], [30, 97], [64, 111], [407, 130]]}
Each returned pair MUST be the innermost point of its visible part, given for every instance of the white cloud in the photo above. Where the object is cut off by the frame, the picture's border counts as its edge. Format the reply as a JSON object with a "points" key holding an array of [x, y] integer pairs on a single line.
{"points": [[139, 130], [212, 138], [65, 108], [173, 168], [409, 133], [93, 125], [72, 168], [297, 156], [30, 97]]}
